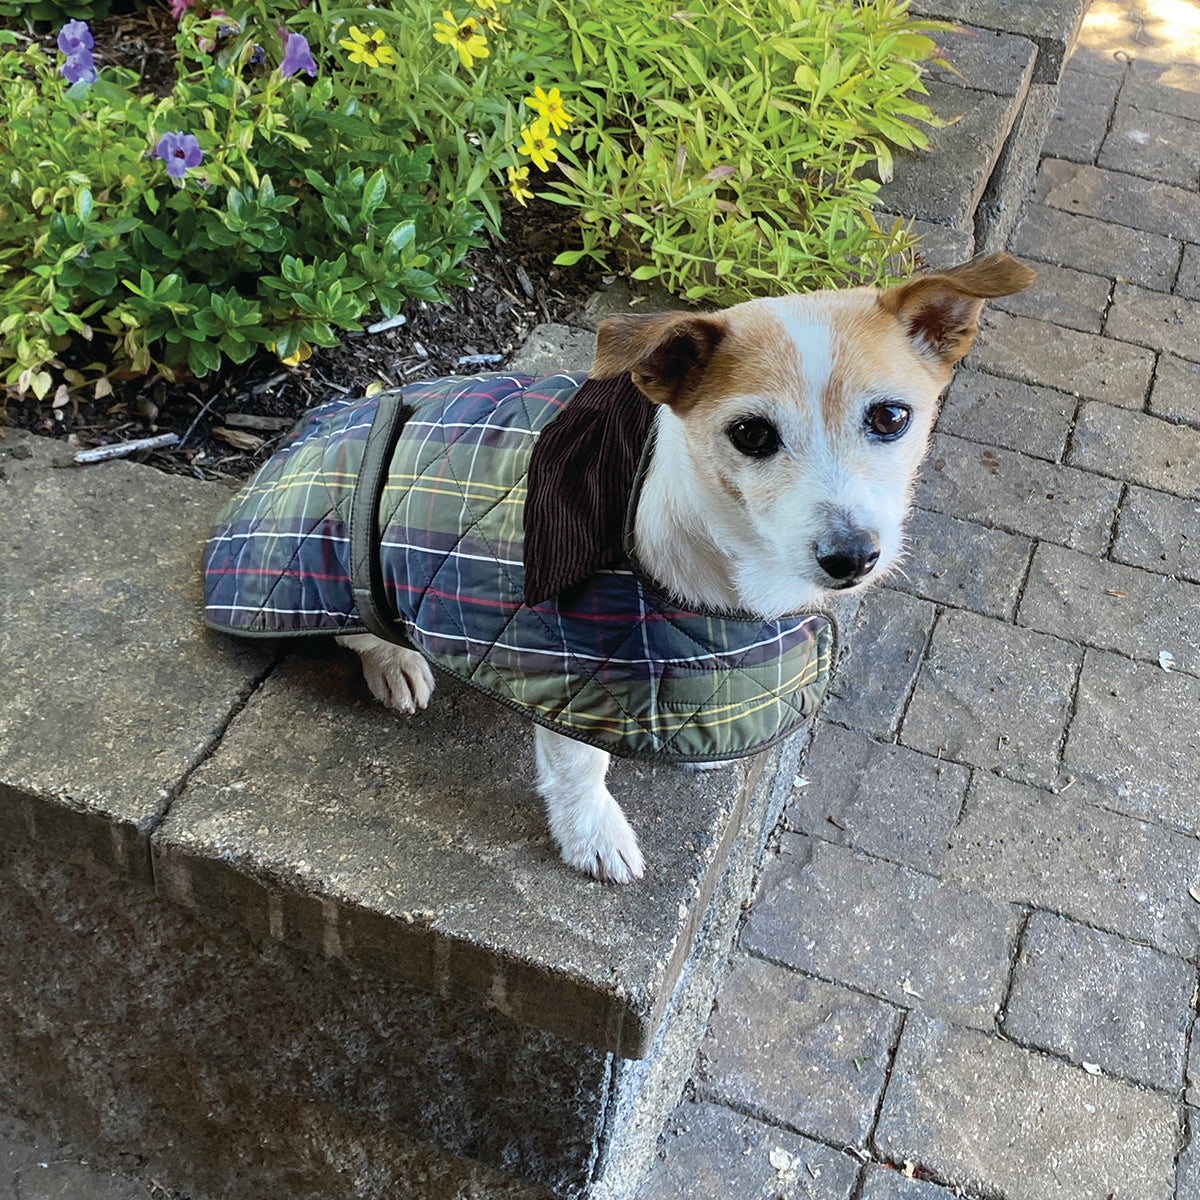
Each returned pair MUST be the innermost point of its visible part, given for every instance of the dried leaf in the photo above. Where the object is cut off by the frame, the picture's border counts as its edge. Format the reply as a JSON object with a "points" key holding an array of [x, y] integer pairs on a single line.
{"points": [[374, 387], [103, 387], [62, 397], [237, 438]]}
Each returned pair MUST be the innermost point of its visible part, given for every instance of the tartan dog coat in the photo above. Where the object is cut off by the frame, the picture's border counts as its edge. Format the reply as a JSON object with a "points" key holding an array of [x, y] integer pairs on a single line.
{"points": [[404, 514]]}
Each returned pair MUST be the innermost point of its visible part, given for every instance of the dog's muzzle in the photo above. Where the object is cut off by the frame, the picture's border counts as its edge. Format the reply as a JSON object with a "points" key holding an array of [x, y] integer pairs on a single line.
{"points": [[849, 557]]}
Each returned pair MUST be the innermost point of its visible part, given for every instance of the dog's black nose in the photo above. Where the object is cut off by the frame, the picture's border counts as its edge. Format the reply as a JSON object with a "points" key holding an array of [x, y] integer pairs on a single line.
{"points": [[849, 558]]}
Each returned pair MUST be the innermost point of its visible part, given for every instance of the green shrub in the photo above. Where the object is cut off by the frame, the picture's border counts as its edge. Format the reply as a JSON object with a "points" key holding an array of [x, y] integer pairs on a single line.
{"points": [[56, 11], [731, 145], [304, 212], [724, 149]]}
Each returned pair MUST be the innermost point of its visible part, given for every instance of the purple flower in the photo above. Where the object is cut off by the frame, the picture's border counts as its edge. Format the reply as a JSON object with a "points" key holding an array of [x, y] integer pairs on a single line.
{"points": [[79, 66], [257, 57], [74, 37], [179, 151], [297, 56]]}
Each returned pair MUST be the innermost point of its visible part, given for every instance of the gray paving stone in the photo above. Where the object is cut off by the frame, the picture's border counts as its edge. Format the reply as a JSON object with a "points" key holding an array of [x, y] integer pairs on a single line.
{"points": [[1063, 296], [1097, 998], [1134, 743], [1156, 145], [1187, 1179], [1164, 87], [982, 1113], [978, 123], [994, 696], [1176, 391], [1015, 169], [962, 564], [872, 683], [1082, 364], [1113, 607], [984, 60], [1159, 533], [883, 929], [1018, 493], [886, 1183], [1088, 244], [1152, 319], [1052, 24], [883, 799], [1051, 852], [711, 1151], [1188, 283], [1085, 102], [1123, 199], [1137, 447], [823, 1067], [940, 246], [1003, 412]]}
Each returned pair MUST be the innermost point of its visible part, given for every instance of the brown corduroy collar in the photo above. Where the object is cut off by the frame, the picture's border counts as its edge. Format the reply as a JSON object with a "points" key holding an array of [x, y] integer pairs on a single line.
{"points": [[581, 474]]}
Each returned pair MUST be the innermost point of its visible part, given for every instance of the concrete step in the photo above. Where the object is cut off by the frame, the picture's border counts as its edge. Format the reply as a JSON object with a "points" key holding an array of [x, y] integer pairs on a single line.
{"points": [[236, 894]]}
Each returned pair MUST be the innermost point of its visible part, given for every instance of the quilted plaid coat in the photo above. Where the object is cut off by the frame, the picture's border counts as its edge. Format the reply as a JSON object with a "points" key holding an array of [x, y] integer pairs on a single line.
{"points": [[403, 514]]}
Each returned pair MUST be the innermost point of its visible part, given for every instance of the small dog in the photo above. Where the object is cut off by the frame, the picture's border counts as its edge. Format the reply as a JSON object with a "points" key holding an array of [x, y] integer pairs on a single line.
{"points": [[786, 437]]}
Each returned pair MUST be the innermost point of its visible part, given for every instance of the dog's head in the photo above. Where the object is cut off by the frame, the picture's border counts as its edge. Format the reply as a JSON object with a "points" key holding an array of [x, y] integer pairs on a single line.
{"points": [[804, 418]]}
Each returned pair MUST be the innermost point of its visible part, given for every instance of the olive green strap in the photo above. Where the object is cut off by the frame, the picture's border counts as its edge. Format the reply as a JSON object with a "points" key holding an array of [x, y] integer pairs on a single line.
{"points": [[366, 573]]}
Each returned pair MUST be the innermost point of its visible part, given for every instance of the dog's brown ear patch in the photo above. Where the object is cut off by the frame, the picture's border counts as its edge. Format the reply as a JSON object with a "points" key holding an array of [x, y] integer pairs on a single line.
{"points": [[665, 354], [941, 312]]}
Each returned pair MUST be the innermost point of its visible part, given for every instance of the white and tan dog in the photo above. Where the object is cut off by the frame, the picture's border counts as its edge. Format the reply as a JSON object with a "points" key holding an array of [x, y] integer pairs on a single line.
{"points": [[787, 437]]}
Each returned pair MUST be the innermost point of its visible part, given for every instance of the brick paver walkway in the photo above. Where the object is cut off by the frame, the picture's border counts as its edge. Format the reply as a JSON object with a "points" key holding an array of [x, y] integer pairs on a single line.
{"points": [[972, 960]]}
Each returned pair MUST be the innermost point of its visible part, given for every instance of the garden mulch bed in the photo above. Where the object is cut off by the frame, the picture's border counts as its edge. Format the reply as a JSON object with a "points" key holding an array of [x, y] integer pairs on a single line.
{"points": [[516, 287]]}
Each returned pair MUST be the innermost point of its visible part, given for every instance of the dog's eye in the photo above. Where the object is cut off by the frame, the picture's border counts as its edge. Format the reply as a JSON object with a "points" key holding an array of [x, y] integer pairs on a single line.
{"points": [[888, 421], [754, 437]]}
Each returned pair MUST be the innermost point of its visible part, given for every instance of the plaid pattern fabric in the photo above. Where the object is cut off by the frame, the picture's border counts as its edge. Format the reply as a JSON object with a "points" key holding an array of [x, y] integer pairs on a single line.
{"points": [[611, 662]]}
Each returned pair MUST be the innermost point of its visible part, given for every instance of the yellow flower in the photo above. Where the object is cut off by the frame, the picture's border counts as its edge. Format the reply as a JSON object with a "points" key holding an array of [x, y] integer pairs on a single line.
{"points": [[368, 48], [491, 17], [550, 109], [463, 35], [538, 144], [302, 353], [518, 177]]}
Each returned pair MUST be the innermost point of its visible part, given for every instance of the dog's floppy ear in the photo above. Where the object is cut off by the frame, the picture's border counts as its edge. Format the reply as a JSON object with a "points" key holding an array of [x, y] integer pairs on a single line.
{"points": [[941, 312], [665, 354]]}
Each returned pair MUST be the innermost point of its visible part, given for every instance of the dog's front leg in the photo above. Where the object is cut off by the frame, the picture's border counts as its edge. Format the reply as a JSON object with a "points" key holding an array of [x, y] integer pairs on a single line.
{"points": [[587, 823]]}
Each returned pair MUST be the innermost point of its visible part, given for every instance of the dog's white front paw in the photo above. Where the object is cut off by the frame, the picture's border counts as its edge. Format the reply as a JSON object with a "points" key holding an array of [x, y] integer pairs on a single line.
{"points": [[597, 839], [397, 676]]}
